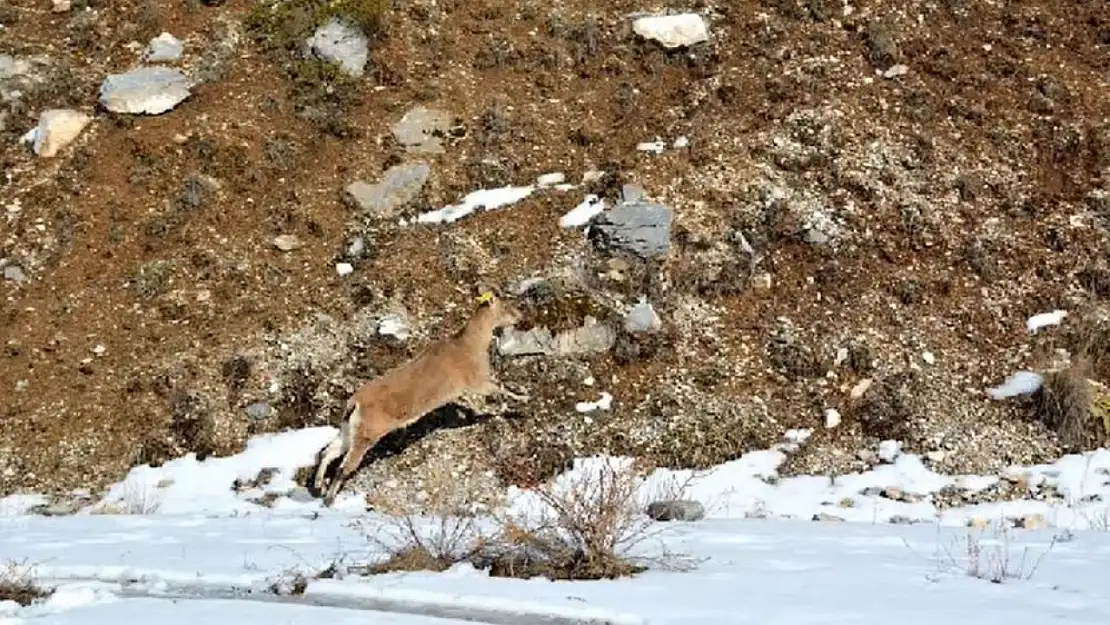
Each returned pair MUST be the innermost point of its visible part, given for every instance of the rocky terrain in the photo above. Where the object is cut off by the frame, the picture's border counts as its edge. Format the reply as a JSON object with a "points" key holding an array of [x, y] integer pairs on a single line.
{"points": [[220, 216]]}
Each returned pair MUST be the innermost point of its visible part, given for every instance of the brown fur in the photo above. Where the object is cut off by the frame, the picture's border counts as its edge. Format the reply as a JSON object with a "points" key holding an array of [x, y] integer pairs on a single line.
{"points": [[442, 372]]}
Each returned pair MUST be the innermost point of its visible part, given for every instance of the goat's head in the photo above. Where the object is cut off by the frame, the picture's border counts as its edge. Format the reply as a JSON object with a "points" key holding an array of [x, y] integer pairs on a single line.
{"points": [[501, 312]]}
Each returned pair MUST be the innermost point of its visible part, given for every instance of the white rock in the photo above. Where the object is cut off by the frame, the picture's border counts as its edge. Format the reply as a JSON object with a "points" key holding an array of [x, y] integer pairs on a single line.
{"points": [[287, 242], [164, 47], [656, 147], [642, 318], [146, 90], [889, 450], [832, 418], [61, 6], [681, 142], [552, 179], [344, 269], [929, 358], [673, 31], [895, 71], [605, 403], [341, 43], [393, 325], [57, 128]]}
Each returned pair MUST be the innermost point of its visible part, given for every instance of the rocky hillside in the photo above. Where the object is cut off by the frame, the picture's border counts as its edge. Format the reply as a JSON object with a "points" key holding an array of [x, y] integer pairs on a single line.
{"points": [[219, 216]]}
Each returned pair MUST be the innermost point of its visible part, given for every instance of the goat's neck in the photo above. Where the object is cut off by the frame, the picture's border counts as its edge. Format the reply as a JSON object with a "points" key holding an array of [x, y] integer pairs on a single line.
{"points": [[478, 330]]}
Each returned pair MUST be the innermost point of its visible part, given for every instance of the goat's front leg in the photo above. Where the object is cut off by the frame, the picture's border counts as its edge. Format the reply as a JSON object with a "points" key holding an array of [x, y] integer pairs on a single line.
{"points": [[489, 388]]}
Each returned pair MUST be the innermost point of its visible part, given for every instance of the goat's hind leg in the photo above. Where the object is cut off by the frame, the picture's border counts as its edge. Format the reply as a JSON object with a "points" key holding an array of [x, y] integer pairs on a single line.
{"points": [[330, 454], [351, 462]]}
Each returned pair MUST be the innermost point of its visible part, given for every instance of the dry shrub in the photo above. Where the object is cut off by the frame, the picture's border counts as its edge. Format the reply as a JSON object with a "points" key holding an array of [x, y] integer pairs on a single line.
{"points": [[18, 584], [582, 528], [1068, 404], [435, 545]]}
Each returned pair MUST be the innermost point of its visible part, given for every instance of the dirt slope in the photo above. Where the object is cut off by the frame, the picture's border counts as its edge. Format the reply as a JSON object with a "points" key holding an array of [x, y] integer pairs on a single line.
{"points": [[914, 179]]}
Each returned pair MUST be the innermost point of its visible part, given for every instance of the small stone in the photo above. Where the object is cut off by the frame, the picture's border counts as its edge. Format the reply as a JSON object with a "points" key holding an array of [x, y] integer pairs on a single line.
{"points": [[61, 6], [144, 90], [871, 491], [673, 31], [550, 180], [762, 281], [681, 142], [1032, 522], [889, 450], [979, 522], [826, 517], [860, 388], [895, 71], [355, 248], [676, 510], [300, 494], [398, 186], [894, 493], [832, 418], [901, 519], [57, 508], [868, 456], [287, 242], [344, 269], [341, 43], [259, 410], [164, 47], [929, 358], [393, 325], [936, 455], [642, 318], [14, 273], [56, 129]]}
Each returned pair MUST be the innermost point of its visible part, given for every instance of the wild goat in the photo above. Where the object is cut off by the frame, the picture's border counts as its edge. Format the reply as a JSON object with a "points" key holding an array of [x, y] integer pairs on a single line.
{"points": [[442, 372]]}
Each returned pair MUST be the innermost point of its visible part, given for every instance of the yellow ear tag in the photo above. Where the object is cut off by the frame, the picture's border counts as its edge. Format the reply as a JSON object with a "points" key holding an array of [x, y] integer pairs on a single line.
{"points": [[485, 298]]}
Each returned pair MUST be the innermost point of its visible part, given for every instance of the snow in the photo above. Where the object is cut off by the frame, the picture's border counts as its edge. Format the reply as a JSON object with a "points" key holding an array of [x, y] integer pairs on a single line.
{"points": [[1020, 383], [486, 199], [1042, 320], [582, 214], [176, 544]]}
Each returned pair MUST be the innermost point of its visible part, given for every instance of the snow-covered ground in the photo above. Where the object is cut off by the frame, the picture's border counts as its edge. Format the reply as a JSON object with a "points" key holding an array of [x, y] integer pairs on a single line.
{"points": [[189, 548]]}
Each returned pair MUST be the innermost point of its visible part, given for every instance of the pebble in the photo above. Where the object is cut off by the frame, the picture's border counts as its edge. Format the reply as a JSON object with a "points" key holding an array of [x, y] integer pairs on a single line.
{"points": [[287, 242], [642, 318], [676, 510], [344, 269], [300, 494], [826, 517], [14, 273], [895, 71], [393, 325], [832, 418], [259, 410], [889, 450], [61, 6]]}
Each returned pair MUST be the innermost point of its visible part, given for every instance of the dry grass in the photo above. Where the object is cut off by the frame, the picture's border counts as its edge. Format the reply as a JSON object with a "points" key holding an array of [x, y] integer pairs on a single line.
{"points": [[18, 584], [1066, 403], [988, 554], [580, 528]]}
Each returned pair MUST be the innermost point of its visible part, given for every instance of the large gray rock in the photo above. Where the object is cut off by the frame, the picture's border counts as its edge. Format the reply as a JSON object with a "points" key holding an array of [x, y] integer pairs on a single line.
{"points": [[342, 44], [591, 337], [399, 186], [144, 90], [420, 130], [676, 510], [643, 228]]}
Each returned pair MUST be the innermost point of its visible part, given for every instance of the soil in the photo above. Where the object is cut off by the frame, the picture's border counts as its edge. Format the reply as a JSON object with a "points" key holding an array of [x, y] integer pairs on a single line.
{"points": [[903, 228]]}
